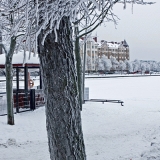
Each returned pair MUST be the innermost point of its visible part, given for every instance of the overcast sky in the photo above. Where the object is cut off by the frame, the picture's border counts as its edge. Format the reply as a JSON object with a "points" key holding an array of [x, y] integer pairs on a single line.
{"points": [[141, 30]]}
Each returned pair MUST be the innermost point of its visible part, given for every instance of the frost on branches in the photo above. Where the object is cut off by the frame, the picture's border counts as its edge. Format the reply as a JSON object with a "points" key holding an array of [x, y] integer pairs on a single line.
{"points": [[52, 22], [25, 19]]}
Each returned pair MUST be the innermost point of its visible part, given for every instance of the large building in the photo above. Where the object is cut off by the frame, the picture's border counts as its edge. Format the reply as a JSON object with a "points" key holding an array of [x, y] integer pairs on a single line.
{"points": [[91, 51], [119, 50]]}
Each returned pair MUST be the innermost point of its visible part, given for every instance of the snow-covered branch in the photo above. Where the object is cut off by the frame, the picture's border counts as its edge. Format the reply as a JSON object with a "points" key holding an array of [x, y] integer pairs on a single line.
{"points": [[29, 17]]}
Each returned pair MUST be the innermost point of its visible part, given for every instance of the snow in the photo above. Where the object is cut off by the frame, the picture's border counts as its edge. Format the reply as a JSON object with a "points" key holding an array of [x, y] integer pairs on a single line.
{"points": [[112, 45], [18, 58], [111, 131]]}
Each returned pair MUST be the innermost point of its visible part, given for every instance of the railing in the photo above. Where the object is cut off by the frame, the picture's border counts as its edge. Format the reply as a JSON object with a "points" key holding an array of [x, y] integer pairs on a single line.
{"points": [[39, 98], [28, 100], [21, 100], [106, 100]]}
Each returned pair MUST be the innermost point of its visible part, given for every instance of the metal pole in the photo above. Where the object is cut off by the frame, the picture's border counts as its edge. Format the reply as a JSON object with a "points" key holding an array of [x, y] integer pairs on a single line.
{"points": [[84, 63], [17, 90], [40, 78], [0, 42], [32, 100], [26, 85], [26, 78]]}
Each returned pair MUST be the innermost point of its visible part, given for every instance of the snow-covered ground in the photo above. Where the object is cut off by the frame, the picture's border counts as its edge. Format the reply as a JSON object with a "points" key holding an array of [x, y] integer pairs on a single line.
{"points": [[111, 131]]}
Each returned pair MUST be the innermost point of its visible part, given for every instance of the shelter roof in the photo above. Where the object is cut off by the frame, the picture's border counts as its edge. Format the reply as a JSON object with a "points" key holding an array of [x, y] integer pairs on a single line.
{"points": [[17, 61]]}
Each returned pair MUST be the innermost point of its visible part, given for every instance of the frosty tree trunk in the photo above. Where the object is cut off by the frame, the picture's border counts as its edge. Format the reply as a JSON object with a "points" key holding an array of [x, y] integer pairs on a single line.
{"points": [[63, 117], [9, 78]]}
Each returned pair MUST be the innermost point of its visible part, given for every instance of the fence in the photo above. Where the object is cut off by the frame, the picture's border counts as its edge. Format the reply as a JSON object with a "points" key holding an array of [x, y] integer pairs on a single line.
{"points": [[28, 100], [23, 100]]}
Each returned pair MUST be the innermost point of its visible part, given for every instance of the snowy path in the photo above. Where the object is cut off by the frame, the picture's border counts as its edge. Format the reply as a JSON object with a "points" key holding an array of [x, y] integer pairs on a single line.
{"points": [[111, 131]]}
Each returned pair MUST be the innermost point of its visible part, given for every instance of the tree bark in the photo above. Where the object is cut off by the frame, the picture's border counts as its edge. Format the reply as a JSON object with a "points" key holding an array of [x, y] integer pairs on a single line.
{"points": [[63, 117], [9, 78]]}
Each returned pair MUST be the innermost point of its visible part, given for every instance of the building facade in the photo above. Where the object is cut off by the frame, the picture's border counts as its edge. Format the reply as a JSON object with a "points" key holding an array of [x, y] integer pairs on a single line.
{"points": [[119, 50], [94, 50], [91, 52]]}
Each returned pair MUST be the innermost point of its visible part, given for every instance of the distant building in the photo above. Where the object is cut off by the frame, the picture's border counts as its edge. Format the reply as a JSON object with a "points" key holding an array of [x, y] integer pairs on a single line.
{"points": [[119, 50], [91, 51]]}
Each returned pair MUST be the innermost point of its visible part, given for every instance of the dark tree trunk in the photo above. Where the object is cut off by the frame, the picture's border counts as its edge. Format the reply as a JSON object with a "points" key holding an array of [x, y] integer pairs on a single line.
{"points": [[9, 78], [59, 79]]}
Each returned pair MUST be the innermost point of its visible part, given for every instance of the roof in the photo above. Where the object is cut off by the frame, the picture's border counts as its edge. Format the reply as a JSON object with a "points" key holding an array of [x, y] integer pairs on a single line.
{"points": [[125, 44], [112, 45], [18, 59], [109, 44]]}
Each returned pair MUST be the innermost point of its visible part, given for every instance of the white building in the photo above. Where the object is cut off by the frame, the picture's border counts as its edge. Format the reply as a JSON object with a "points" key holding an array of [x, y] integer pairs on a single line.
{"points": [[94, 49], [91, 52]]}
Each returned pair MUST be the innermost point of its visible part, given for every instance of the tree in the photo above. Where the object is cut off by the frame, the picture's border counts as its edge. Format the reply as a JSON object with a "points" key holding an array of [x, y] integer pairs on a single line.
{"points": [[142, 67], [114, 62], [147, 67], [158, 66], [135, 65], [106, 62], [153, 66], [96, 63], [60, 85], [16, 34], [101, 65], [121, 66], [57, 66], [128, 65]]}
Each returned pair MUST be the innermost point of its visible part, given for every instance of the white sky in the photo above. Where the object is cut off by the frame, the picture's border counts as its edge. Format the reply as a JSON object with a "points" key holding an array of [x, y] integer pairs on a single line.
{"points": [[140, 29]]}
